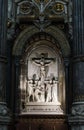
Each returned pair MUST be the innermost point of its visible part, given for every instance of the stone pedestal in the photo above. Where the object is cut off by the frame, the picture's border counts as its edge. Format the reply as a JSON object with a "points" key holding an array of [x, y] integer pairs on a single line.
{"points": [[40, 108]]}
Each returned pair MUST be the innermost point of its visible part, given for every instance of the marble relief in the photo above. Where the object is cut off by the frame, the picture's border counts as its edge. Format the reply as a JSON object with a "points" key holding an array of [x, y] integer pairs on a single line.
{"points": [[42, 88], [39, 82]]}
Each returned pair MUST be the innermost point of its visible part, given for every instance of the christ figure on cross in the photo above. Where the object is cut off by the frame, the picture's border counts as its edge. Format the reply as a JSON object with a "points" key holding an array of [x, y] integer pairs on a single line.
{"points": [[43, 62]]}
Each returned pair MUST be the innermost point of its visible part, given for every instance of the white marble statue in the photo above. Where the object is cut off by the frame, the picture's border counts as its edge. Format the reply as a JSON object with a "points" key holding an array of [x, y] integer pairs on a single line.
{"points": [[54, 92], [48, 94], [43, 89], [29, 90], [43, 62]]}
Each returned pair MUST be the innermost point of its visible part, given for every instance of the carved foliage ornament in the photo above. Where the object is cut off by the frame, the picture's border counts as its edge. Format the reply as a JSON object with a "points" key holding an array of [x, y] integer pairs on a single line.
{"points": [[4, 111], [78, 110], [42, 11], [26, 7]]}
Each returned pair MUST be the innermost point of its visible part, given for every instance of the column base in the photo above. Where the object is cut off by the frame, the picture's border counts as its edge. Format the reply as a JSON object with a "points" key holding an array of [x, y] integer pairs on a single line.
{"points": [[76, 119], [5, 117]]}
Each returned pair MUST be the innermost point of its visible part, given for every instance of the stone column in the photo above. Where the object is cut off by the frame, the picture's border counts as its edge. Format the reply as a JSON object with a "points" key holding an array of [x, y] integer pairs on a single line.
{"points": [[17, 85], [77, 115], [4, 112]]}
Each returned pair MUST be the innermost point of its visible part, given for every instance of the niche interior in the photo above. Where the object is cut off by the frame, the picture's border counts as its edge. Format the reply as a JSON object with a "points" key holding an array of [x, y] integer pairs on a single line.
{"points": [[42, 77]]}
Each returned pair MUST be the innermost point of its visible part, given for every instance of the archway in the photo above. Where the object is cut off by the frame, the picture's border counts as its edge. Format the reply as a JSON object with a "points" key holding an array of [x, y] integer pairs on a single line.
{"points": [[30, 45], [52, 30]]}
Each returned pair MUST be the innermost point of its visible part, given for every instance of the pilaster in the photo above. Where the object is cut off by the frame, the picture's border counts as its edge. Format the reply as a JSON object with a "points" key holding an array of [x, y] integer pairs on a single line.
{"points": [[67, 66], [17, 89]]}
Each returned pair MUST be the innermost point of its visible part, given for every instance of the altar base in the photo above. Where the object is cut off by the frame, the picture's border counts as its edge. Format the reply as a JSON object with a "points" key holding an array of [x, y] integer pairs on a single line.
{"points": [[42, 108]]}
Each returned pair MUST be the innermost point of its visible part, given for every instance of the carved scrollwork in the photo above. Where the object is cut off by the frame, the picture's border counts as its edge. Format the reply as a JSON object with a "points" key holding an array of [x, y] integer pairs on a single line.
{"points": [[43, 11], [28, 7], [78, 110], [4, 111]]}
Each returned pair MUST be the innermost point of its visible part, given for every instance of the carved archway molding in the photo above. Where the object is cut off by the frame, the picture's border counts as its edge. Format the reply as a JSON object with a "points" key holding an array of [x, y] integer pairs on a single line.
{"points": [[22, 42], [32, 30]]}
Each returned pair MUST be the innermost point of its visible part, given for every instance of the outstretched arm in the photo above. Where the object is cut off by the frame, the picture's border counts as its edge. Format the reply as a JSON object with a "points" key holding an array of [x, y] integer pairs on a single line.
{"points": [[36, 62]]}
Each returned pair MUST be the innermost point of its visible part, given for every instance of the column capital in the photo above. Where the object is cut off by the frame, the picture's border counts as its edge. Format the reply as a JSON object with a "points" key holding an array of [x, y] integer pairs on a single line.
{"points": [[17, 60], [66, 62], [79, 58], [3, 59]]}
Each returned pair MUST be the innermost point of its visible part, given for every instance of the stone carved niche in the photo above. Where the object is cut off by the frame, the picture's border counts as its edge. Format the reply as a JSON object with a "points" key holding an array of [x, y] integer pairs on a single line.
{"points": [[41, 82]]}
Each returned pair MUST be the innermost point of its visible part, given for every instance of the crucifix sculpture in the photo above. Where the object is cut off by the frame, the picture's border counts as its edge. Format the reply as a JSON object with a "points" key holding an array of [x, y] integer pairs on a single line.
{"points": [[43, 62], [44, 88]]}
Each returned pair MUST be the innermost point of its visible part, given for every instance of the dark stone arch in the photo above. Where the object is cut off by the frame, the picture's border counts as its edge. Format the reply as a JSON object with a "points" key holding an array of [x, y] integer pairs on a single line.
{"points": [[51, 30]]}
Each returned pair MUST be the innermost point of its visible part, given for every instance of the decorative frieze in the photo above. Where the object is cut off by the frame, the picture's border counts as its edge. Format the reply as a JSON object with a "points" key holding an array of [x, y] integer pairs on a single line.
{"points": [[41, 13], [48, 108]]}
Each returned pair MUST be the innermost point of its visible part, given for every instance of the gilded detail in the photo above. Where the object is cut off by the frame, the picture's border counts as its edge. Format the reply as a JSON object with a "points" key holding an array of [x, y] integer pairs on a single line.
{"points": [[58, 7], [43, 10], [25, 7]]}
